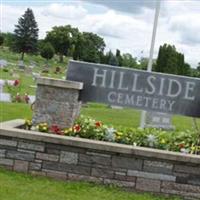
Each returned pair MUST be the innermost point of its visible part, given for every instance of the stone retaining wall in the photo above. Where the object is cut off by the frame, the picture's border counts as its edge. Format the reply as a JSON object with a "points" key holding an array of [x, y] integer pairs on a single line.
{"points": [[69, 158]]}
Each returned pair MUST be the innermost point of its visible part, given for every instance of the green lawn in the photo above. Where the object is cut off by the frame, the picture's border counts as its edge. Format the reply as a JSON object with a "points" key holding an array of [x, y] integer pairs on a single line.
{"points": [[16, 186], [115, 117]]}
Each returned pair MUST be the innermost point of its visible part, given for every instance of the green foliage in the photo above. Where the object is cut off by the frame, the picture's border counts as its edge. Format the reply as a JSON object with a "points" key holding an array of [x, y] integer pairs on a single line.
{"points": [[172, 62], [86, 127], [8, 39], [1, 39], [62, 38], [26, 34], [47, 51], [129, 61], [88, 47]]}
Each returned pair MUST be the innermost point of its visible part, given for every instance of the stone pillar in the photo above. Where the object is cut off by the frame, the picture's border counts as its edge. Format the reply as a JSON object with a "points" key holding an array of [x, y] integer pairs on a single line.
{"points": [[57, 102]]}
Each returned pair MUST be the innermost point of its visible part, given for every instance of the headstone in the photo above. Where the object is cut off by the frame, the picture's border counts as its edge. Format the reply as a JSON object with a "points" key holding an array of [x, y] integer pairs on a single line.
{"points": [[159, 120], [35, 75], [32, 64], [116, 107], [5, 97], [1, 86], [28, 71], [3, 63], [21, 65]]}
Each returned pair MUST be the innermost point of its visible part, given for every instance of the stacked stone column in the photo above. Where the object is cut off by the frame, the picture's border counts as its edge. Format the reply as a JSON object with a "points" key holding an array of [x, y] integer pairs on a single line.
{"points": [[57, 102]]}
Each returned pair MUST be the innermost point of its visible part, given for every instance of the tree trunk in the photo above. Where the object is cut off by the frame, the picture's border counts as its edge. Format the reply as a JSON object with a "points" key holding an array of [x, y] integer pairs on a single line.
{"points": [[22, 56], [61, 58]]}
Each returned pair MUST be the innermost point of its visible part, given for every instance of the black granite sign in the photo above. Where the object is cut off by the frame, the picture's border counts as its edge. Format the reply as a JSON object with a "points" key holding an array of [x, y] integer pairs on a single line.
{"points": [[136, 88]]}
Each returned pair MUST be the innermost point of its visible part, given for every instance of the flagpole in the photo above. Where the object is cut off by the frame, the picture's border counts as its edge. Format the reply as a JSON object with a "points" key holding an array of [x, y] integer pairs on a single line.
{"points": [[150, 62]]}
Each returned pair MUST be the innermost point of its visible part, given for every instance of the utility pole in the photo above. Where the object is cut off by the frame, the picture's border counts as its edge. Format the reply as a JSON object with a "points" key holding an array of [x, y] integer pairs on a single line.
{"points": [[149, 68]]}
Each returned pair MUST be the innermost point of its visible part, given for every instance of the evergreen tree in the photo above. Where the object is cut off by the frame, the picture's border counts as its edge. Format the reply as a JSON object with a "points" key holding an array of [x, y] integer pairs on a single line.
{"points": [[1, 40], [119, 57], [170, 61], [26, 34], [112, 59]]}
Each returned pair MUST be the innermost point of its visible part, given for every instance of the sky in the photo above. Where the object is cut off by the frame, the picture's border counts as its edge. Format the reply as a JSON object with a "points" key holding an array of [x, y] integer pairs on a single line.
{"points": [[124, 24]]}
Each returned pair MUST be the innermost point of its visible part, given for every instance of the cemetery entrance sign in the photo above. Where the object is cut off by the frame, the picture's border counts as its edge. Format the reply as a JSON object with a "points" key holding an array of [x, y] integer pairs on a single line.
{"points": [[136, 88]]}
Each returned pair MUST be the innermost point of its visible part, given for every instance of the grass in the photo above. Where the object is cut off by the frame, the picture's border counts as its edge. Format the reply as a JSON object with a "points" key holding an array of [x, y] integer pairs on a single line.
{"points": [[115, 117], [16, 186], [14, 58]]}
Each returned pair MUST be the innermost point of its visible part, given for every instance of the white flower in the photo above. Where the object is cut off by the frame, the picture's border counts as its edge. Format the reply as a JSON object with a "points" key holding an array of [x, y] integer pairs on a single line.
{"points": [[110, 134], [134, 144], [151, 140], [183, 150]]}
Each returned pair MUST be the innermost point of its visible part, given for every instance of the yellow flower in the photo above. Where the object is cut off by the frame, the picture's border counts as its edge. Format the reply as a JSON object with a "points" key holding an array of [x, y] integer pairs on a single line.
{"points": [[163, 141], [119, 133], [67, 130]]}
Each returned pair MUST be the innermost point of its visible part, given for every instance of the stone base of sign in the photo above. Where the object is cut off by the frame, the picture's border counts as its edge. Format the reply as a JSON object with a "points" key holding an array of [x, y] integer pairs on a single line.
{"points": [[72, 158], [57, 102], [159, 120]]}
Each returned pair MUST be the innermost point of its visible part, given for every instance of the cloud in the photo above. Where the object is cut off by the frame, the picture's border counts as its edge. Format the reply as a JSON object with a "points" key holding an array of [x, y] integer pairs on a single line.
{"points": [[178, 24], [129, 6], [188, 28], [64, 11]]}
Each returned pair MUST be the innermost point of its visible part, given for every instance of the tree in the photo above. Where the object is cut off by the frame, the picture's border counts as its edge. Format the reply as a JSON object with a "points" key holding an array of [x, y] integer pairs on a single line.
{"points": [[89, 47], [8, 39], [198, 67], [1, 40], [47, 51], [129, 61], [26, 34], [62, 38], [172, 62], [119, 57], [113, 59]]}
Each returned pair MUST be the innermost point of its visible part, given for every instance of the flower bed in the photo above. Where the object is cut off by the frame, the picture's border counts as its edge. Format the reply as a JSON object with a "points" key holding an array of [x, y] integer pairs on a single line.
{"points": [[85, 127], [71, 158]]}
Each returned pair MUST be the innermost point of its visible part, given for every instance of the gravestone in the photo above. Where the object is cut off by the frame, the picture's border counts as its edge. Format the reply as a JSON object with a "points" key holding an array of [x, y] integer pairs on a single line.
{"points": [[28, 71], [159, 120], [3, 63], [32, 64], [21, 65]]}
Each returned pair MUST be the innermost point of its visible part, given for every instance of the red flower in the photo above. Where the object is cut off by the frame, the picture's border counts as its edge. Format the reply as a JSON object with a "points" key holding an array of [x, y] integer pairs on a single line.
{"points": [[98, 124], [17, 98], [77, 128], [16, 83], [181, 145], [55, 129], [26, 98]]}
